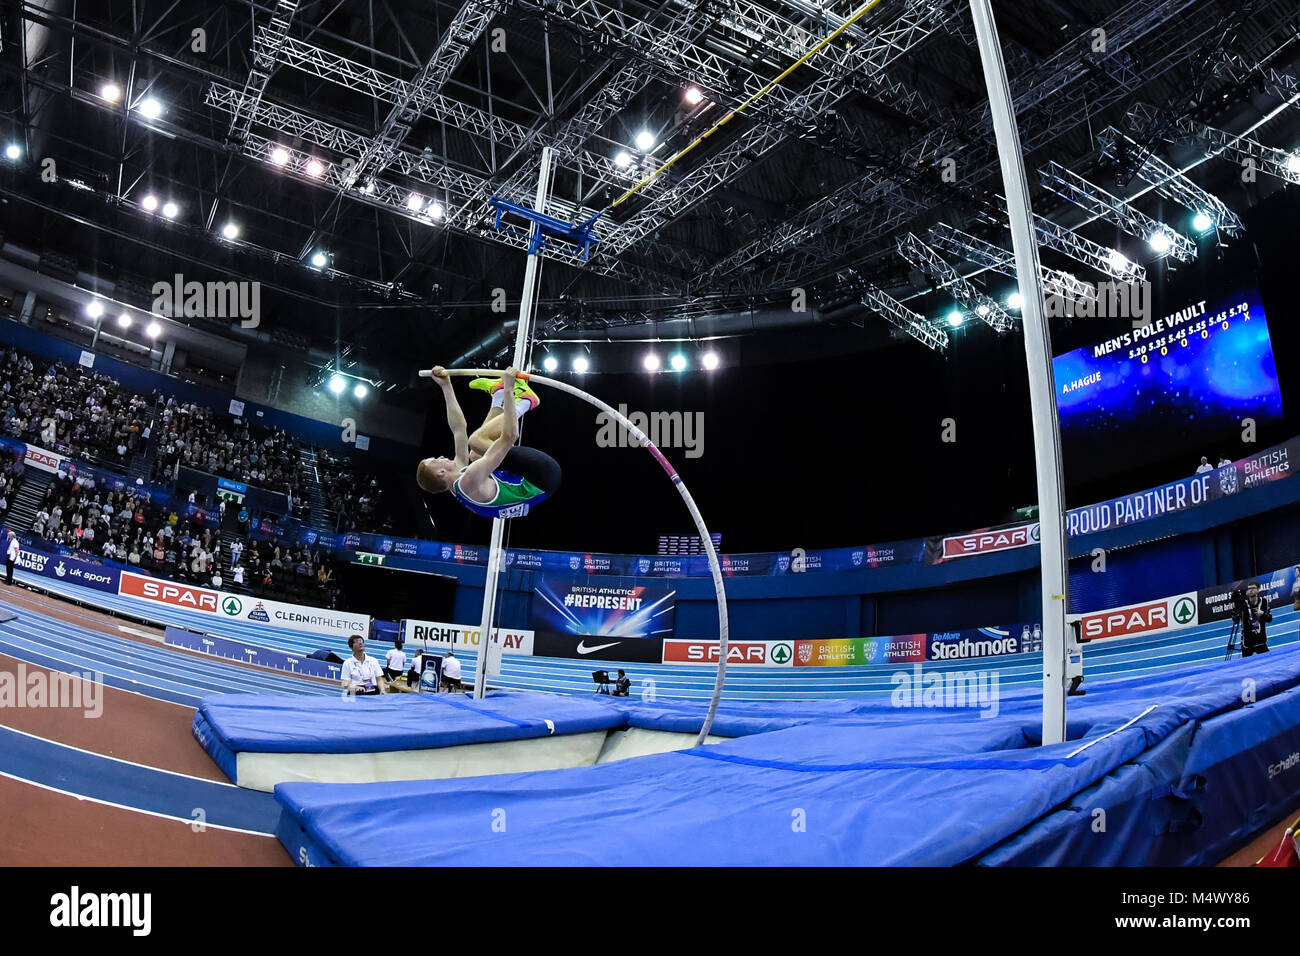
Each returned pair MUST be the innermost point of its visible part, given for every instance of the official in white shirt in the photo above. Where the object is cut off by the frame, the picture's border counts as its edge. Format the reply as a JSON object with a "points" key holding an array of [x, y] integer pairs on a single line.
{"points": [[361, 673], [395, 661], [11, 555], [451, 670]]}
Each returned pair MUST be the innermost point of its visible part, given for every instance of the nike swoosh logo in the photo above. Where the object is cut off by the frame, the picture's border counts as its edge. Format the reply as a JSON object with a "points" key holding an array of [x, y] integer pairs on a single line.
{"points": [[584, 649]]}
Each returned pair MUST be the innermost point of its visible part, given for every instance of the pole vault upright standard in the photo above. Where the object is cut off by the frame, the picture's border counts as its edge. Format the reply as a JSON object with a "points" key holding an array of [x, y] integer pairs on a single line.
{"points": [[523, 334], [715, 568]]}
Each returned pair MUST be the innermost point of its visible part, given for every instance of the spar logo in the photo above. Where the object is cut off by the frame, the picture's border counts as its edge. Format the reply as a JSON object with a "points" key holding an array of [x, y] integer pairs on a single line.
{"points": [[1184, 611], [1132, 620], [988, 542], [780, 653], [168, 592], [231, 606]]}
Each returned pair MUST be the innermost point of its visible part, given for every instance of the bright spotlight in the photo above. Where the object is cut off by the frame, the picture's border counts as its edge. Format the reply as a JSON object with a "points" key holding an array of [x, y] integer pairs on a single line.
{"points": [[124, 320], [679, 362], [279, 156], [693, 96], [415, 202], [651, 362], [1160, 242], [645, 141], [622, 159], [982, 310], [550, 363], [580, 365], [170, 209], [13, 151], [95, 309], [318, 259], [150, 108], [435, 210], [955, 318], [337, 384], [111, 92], [1201, 222], [1118, 261], [153, 330], [360, 391], [315, 168], [1293, 164], [710, 360], [230, 230], [1015, 300], [149, 202], [368, 186]]}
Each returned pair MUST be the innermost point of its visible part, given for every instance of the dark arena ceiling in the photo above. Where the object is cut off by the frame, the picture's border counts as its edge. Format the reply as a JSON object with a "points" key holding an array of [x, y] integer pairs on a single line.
{"points": [[375, 131]]}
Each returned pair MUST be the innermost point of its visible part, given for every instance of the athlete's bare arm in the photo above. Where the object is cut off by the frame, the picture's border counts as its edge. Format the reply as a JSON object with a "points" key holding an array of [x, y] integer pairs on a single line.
{"points": [[477, 481], [455, 417]]}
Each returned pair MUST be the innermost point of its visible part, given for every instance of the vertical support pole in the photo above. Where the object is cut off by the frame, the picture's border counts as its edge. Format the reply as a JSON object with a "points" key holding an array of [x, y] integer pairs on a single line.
{"points": [[523, 334], [1042, 386]]}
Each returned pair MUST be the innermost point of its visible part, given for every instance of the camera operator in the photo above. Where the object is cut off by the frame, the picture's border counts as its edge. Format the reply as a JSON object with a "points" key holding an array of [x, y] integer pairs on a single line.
{"points": [[1255, 615]]}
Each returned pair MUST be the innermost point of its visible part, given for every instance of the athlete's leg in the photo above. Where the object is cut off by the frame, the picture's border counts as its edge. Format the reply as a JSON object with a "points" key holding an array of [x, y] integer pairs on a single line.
{"points": [[490, 430]]}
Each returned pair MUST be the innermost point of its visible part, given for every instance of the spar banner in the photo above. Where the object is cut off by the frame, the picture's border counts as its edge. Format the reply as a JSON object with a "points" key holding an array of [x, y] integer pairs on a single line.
{"points": [[457, 637], [243, 607], [69, 570], [752, 653], [636, 650], [608, 607], [1149, 617]]}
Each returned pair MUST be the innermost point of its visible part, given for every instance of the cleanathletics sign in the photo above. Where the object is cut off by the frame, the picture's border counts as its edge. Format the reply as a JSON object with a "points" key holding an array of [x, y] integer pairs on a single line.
{"points": [[243, 607]]}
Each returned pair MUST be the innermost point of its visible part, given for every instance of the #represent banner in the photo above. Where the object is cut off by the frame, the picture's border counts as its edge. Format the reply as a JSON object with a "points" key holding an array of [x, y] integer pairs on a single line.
{"points": [[607, 607]]}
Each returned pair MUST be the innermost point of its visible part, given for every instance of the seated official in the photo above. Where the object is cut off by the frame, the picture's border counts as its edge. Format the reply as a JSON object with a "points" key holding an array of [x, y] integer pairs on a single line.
{"points": [[395, 661], [451, 671], [417, 665], [361, 673], [622, 686]]}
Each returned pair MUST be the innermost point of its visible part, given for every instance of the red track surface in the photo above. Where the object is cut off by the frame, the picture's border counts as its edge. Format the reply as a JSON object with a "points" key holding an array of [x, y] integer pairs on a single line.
{"points": [[42, 828]]}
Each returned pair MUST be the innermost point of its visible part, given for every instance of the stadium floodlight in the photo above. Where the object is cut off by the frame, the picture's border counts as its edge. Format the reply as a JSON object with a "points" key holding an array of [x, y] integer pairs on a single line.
{"points": [[170, 210], [1202, 222], [368, 187], [149, 202], [230, 230], [580, 365], [315, 168], [150, 108], [645, 141], [622, 159], [318, 259], [13, 151], [95, 308], [435, 210], [1160, 242], [1015, 300], [1293, 164], [280, 156], [956, 317], [337, 384], [710, 360], [360, 391], [153, 330], [693, 96], [679, 362], [650, 362], [110, 92], [1118, 261], [124, 320], [415, 202], [550, 363]]}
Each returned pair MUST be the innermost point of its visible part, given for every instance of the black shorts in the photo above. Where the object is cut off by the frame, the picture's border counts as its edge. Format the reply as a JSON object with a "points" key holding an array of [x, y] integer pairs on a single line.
{"points": [[537, 466]]}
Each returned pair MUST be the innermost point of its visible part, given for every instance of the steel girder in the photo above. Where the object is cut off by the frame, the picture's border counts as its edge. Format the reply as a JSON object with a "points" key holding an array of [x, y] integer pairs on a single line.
{"points": [[993, 257], [927, 260]]}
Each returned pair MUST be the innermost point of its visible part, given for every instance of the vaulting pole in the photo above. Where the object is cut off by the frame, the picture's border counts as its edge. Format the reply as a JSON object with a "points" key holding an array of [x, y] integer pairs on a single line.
{"points": [[715, 567], [523, 334], [1042, 385]]}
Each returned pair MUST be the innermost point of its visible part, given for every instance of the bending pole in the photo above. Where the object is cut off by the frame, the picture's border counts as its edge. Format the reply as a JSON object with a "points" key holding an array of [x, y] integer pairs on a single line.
{"points": [[523, 334], [1042, 384], [715, 567]]}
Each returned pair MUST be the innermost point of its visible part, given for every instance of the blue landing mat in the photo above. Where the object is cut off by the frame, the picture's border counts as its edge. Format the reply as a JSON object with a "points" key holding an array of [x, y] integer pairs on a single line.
{"points": [[863, 783]]}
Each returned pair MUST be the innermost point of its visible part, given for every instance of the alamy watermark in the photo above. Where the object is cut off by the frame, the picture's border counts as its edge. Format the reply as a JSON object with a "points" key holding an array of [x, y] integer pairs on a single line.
{"points": [[210, 300], [40, 689], [1105, 300], [946, 689], [663, 429]]}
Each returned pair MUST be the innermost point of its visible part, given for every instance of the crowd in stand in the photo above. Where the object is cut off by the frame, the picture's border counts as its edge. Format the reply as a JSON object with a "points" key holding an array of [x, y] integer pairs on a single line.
{"points": [[191, 435], [356, 499], [10, 474], [71, 409]]}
